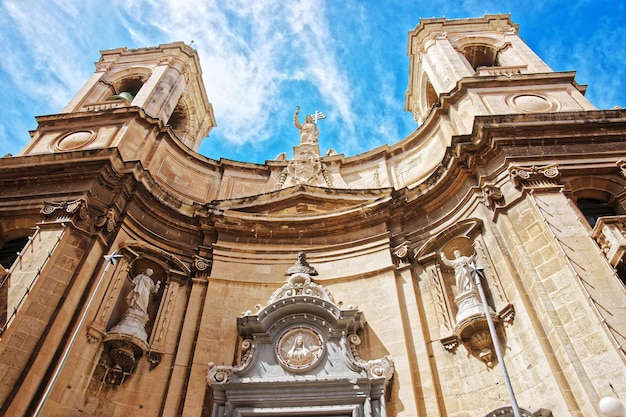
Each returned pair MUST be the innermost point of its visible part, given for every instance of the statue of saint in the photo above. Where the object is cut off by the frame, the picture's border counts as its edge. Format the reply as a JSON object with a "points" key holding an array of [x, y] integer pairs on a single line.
{"points": [[139, 297], [301, 266], [460, 264], [308, 131]]}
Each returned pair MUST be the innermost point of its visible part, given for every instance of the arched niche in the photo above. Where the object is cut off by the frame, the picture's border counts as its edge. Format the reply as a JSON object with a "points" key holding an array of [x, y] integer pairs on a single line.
{"points": [[125, 84], [459, 236], [595, 197], [132, 328], [181, 121], [185, 121], [166, 268], [452, 259], [481, 51]]}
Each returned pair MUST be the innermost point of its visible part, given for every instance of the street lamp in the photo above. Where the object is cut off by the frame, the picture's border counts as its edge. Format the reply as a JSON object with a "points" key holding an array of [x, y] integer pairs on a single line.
{"points": [[476, 272], [612, 407]]}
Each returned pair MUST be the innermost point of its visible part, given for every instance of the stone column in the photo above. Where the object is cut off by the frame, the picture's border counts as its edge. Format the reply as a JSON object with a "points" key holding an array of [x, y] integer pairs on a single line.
{"points": [[160, 94], [518, 53], [443, 64], [184, 354]]}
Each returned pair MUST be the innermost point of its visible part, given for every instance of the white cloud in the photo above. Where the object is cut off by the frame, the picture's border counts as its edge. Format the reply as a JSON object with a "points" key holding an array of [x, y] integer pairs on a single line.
{"points": [[248, 51]]}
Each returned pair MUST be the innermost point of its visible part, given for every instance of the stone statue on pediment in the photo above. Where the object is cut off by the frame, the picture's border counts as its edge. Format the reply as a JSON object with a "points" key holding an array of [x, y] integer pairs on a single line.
{"points": [[301, 266], [309, 132]]}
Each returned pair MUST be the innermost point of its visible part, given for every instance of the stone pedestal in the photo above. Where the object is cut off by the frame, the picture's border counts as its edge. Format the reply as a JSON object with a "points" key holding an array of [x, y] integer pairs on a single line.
{"points": [[126, 343], [133, 324], [306, 150], [469, 305], [472, 327]]}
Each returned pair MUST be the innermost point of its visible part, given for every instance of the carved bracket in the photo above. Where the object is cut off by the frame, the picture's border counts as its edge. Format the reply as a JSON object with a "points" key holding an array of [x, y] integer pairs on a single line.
{"points": [[450, 343], [154, 358], [493, 196], [106, 222], [610, 234], [535, 177], [202, 265], [402, 254], [75, 210]]}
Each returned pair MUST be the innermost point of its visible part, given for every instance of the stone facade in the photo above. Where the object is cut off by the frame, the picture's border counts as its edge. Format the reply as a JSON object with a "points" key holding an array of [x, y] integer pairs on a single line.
{"points": [[513, 179]]}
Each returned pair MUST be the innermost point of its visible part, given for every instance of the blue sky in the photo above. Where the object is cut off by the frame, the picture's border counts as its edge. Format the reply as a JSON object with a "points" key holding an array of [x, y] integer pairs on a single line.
{"points": [[261, 58]]}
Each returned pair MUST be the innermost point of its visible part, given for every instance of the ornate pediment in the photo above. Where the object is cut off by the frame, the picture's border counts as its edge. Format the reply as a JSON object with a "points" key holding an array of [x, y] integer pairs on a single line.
{"points": [[300, 353], [302, 200]]}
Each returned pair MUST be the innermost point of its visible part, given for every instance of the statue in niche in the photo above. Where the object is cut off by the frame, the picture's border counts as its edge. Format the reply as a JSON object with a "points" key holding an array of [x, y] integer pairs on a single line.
{"points": [[467, 298], [301, 266], [460, 264], [136, 317], [308, 131], [139, 297]]}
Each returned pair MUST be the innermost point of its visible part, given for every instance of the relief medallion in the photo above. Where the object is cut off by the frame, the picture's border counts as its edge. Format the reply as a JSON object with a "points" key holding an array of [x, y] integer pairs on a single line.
{"points": [[299, 348]]}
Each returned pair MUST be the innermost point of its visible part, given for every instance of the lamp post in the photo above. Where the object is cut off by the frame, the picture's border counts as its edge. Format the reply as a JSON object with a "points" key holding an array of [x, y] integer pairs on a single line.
{"points": [[110, 260], [476, 272], [612, 407]]}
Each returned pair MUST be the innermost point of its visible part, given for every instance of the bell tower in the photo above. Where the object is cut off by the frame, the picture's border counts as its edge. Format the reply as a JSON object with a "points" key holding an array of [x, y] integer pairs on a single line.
{"points": [[481, 66], [132, 95]]}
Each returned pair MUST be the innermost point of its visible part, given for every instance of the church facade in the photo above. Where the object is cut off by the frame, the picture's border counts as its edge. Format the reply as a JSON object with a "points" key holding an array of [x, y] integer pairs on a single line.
{"points": [[473, 268]]}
